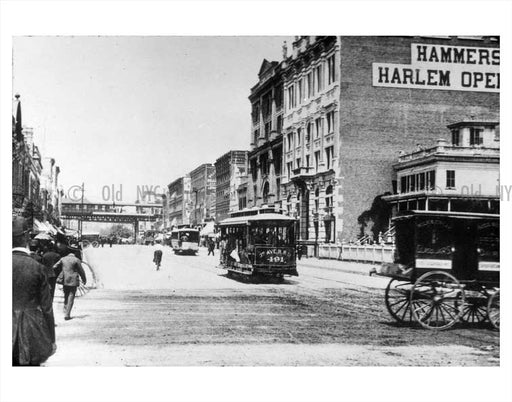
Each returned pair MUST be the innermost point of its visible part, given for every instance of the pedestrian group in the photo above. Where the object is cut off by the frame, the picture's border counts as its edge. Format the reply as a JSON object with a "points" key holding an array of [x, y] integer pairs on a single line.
{"points": [[35, 274]]}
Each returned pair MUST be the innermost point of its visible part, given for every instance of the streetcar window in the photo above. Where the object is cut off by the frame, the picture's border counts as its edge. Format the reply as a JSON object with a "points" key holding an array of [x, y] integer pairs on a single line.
{"points": [[275, 236], [190, 235]]}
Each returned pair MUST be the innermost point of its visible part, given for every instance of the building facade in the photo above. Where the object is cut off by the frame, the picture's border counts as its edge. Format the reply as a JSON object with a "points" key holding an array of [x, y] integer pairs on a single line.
{"points": [[202, 193], [266, 154], [398, 93], [228, 170], [51, 193], [178, 203], [462, 175], [311, 138]]}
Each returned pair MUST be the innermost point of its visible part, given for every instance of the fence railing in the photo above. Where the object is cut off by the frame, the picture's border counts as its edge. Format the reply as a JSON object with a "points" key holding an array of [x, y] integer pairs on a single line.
{"points": [[374, 253]]}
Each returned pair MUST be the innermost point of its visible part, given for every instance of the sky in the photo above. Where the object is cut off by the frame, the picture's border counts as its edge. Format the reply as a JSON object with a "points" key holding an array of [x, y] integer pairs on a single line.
{"points": [[125, 113]]}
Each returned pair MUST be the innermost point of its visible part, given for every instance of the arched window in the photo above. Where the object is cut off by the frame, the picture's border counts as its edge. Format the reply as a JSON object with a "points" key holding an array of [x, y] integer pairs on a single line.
{"points": [[329, 217]]}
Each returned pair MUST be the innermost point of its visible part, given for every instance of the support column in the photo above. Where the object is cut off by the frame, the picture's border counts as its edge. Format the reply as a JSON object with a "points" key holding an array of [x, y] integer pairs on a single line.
{"points": [[136, 229]]}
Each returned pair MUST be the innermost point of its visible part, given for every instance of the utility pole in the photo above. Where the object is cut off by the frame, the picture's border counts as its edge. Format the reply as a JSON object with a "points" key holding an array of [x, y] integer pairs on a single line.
{"points": [[80, 226]]}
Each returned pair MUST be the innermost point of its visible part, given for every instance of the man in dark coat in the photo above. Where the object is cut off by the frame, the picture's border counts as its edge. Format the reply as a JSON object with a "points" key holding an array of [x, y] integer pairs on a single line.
{"points": [[33, 325], [157, 256], [72, 271], [49, 259]]}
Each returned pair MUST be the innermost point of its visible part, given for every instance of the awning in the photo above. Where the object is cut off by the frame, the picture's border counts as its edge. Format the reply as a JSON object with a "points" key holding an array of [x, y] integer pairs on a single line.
{"points": [[39, 227], [50, 228], [208, 229]]}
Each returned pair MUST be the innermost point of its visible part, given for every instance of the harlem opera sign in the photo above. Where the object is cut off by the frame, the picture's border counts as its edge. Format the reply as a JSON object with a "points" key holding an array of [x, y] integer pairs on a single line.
{"points": [[456, 68]]}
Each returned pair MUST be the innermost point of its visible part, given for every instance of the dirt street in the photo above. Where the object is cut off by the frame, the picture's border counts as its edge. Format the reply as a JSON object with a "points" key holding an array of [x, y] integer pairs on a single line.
{"points": [[190, 313]]}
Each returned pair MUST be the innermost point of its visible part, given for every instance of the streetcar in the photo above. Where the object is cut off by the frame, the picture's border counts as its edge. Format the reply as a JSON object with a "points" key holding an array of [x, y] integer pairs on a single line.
{"points": [[446, 269], [258, 242], [185, 240]]}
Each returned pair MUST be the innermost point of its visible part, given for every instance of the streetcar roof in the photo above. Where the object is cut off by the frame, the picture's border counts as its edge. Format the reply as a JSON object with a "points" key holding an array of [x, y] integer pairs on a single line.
{"points": [[446, 214], [242, 220]]}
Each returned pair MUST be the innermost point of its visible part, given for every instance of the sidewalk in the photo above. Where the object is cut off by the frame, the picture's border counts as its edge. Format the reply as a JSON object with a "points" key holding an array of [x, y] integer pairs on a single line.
{"points": [[352, 267]]}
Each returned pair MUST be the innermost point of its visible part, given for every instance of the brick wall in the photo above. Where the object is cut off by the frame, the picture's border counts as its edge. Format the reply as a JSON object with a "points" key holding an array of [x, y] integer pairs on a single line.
{"points": [[377, 122]]}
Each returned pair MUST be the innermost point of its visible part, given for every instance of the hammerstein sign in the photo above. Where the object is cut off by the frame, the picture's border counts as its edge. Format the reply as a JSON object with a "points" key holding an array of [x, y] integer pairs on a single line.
{"points": [[456, 68]]}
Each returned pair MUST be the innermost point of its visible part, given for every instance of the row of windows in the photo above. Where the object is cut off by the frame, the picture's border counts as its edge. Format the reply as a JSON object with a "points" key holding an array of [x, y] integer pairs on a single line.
{"points": [[418, 182], [476, 137], [266, 104], [329, 156], [268, 127], [425, 181], [314, 129], [312, 83]]}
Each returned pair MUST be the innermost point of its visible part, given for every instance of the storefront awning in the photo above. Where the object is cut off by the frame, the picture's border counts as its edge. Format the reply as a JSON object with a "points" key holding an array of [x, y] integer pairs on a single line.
{"points": [[208, 229], [39, 227]]}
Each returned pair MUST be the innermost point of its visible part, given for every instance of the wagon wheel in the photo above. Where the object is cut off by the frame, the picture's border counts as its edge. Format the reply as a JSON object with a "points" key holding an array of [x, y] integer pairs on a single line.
{"points": [[438, 300], [95, 244], [85, 244], [475, 308], [493, 309], [81, 290], [398, 300]]}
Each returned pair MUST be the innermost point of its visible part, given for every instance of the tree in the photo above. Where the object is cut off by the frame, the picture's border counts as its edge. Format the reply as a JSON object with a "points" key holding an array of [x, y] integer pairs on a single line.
{"points": [[117, 230], [376, 219]]}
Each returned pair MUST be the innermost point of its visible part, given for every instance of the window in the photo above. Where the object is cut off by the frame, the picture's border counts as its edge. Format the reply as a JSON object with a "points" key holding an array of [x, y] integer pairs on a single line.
{"points": [[278, 187], [279, 124], [330, 122], [403, 184], [289, 141], [431, 180], [450, 179], [291, 97], [318, 124], [309, 128], [412, 183], [307, 161], [255, 194], [422, 181], [331, 71], [299, 134], [329, 155], [317, 160], [255, 113], [268, 129], [319, 78], [298, 163], [475, 136], [455, 137], [310, 85], [267, 106], [300, 91], [278, 97], [266, 191], [329, 210], [289, 169], [256, 136]]}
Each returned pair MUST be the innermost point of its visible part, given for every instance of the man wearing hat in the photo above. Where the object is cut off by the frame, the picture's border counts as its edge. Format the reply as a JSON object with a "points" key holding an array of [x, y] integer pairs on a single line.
{"points": [[33, 326], [71, 272]]}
